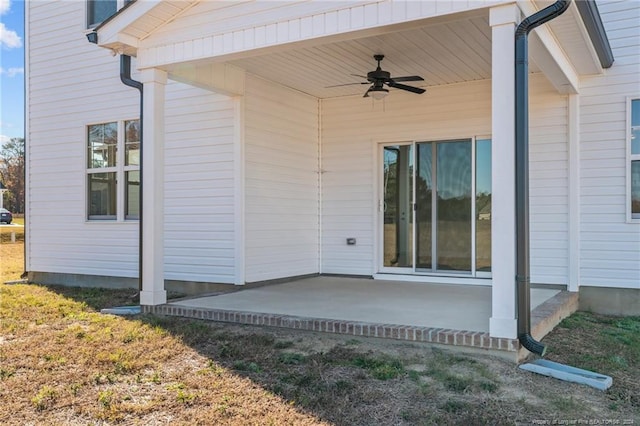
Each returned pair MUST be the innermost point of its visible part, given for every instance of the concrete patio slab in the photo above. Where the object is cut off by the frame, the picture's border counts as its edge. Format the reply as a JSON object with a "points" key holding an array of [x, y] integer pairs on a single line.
{"points": [[459, 307], [453, 315]]}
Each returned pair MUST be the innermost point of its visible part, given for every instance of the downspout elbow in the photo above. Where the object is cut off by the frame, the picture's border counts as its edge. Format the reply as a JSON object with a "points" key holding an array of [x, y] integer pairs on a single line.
{"points": [[541, 17], [531, 344], [92, 37], [125, 73]]}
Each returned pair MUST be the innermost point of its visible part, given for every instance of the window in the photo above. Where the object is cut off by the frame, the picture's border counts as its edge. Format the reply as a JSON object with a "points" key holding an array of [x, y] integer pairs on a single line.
{"points": [[113, 168], [101, 10], [634, 159]]}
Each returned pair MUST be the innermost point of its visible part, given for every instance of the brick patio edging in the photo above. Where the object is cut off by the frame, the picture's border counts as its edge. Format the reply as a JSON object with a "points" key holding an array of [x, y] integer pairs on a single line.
{"points": [[474, 339]]}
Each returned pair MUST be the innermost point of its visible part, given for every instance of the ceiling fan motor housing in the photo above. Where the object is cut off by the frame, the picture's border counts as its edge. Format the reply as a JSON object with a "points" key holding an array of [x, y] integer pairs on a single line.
{"points": [[378, 75]]}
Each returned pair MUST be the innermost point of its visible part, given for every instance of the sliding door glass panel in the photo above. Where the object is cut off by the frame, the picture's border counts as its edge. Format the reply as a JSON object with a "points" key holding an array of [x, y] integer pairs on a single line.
{"points": [[483, 205], [424, 204], [453, 208], [398, 201]]}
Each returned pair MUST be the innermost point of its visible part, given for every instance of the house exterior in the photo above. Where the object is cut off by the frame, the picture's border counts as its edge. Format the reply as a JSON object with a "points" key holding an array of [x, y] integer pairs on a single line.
{"points": [[254, 169]]}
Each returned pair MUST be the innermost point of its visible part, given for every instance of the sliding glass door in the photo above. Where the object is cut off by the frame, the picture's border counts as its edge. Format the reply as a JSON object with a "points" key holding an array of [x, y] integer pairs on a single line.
{"points": [[437, 207]]}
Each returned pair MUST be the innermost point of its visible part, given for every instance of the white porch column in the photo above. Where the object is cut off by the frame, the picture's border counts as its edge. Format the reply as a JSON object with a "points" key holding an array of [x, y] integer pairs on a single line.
{"points": [[153, 292], [503, 21], [574, 192]]}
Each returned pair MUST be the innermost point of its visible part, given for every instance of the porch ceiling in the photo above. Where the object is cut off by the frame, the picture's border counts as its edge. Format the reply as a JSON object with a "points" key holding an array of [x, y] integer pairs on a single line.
{"points": [[442, 53], [444, 48]]}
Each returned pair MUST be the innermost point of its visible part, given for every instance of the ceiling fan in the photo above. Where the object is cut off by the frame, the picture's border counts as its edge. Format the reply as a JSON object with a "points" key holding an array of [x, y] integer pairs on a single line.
{"points": [[379, 78]]}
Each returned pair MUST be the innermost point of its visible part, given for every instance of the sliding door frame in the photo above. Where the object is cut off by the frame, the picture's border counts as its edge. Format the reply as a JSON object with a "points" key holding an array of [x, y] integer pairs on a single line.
{"points": [[380, 219], [379, 222]]}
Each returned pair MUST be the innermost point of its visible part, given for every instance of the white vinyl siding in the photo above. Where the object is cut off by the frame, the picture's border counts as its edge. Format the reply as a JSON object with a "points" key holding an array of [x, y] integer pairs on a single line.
{"points": [[281, 182], [548, 183], [79, 85], [610, 245], [199, 185], [66, 94], [353, 126]]}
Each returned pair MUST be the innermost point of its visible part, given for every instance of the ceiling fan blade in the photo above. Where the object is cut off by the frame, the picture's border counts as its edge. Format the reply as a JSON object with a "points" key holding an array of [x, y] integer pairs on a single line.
{"points": [[366, 94], [412, 89], [408, 78], [347, 84]]}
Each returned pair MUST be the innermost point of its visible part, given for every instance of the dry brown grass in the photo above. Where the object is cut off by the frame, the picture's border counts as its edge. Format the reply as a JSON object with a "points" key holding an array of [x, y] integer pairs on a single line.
{"points": [[11, 254], [61, 362]]}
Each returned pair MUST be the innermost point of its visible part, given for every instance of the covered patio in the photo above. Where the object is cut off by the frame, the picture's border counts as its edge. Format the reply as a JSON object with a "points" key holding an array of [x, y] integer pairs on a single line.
{"points": [[304, 156], [434, 313]]}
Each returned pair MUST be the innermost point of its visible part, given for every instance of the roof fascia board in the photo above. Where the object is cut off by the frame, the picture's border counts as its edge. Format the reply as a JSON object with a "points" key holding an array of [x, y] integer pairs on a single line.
{"points": [[595, 28], [594, 57]]}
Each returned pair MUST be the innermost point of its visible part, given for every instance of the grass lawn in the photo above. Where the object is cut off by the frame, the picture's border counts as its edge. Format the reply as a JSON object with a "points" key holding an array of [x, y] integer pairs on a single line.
{"points": [[61, 362], [11, 254]]}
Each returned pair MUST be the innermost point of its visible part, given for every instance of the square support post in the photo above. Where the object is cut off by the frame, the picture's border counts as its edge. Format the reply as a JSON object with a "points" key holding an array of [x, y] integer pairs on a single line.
{"points": [[503, 21], [574, 191], [153, 292]]}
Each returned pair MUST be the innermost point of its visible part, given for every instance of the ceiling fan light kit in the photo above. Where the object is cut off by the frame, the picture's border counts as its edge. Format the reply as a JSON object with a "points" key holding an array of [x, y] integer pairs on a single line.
{"points": [[378, 93], [379, 78]]}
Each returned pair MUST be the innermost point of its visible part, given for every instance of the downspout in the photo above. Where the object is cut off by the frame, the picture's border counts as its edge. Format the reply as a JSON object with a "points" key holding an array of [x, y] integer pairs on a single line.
{"points": [[26, 59], [125, 77], [522, 170]]}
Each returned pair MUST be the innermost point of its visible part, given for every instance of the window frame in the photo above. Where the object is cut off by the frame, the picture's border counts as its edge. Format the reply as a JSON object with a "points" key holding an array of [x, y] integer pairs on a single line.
{"points": [[630, 158], [120, 170], [128, 168]]}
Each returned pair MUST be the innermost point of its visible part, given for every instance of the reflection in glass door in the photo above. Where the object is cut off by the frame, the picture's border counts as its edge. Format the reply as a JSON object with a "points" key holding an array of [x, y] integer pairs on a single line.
{"points": [[450, 231], [424, 206], [453, 209], [483, 205]]}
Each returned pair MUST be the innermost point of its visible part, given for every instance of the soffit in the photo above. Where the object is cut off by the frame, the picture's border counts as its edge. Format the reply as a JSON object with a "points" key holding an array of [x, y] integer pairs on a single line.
{"points": [[571, 34], [159, 16], [136, 21], [443, 53]]}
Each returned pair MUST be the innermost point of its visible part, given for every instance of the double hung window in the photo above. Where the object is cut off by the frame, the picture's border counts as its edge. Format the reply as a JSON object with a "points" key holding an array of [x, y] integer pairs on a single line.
{"points": [[113, 170]]}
